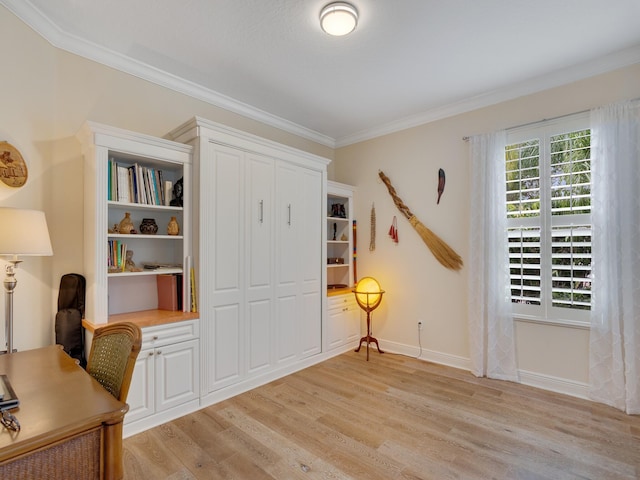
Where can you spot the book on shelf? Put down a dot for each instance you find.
(133, 178)
(123, 184)
(169, 291)
(180, 285)
(168, 192)
(160, 184)
(194, 300)
(116, 255)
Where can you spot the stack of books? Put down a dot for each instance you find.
(137, 184)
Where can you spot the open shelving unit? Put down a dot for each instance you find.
(339, 241)
(112, 293)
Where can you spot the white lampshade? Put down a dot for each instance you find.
(24, 232)
(339, 18)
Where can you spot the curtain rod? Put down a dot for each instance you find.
(551, 119)
(538, 121)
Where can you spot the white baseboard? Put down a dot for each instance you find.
(427, 355)
(158, 418)
(555, 384)
(533, 379)
(259, 380)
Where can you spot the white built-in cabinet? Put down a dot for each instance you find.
(339, 236)
(258, 239)
(343, 321)
(166, 378)
(343, 314)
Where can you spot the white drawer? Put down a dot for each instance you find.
(341, 302)
(169, 333)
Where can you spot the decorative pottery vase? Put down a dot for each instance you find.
(126, 225)
(148, 226)
(173, 228)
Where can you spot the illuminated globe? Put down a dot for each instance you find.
(368, 293)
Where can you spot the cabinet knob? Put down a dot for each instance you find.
(155, 337)
(159, 352)
(150, 354)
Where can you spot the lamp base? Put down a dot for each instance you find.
(10, 283)
(369, 339)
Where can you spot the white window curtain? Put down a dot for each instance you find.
(614, 354)
(491, 331)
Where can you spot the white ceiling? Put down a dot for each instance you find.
(408, 61)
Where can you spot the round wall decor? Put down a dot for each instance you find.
(13, 170)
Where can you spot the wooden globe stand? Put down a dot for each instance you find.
(368, 306)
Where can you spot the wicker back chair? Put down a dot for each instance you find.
(113, 355)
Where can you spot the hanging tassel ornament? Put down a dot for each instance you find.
(393, 230)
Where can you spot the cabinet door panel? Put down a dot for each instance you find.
(288, 213)
(259, 226)
(335, 327)
(311, 324)
(259, 332)
(225, 347)
(222, 209)
(310, 234)
(287, 316)
(141, 393)
(177, 379)
(352, 322)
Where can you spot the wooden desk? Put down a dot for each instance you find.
(71, 426)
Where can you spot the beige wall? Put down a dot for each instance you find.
(48, 94)
(417, 286)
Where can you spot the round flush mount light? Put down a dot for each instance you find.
(339, 18)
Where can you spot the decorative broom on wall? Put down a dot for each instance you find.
(443, 252)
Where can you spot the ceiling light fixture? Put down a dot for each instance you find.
(339, 18)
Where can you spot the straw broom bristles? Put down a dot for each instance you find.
(443, 252)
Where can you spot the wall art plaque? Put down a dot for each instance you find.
(13, 170)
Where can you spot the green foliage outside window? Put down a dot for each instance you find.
(535, 189)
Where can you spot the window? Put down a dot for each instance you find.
(548, 183)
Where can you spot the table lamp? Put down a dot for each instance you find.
(368, 295)
(24, 233)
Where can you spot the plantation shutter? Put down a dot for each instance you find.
(548, 208)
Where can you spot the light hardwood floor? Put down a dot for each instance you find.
(393, 417)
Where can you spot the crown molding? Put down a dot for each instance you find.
(41, 24)
(620, 59)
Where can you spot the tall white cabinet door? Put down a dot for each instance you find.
(299, 252)
(222, 262)
(288, 218)
(287, 258)
(310, 247)
(259, 261)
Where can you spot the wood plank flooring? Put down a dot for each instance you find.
(393, 417)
